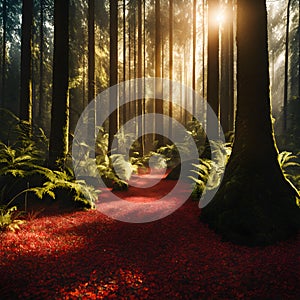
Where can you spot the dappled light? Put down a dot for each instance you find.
(149, 149)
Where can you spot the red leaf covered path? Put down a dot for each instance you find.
(86, 255)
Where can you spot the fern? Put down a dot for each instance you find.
(290, 166)
(9, 218)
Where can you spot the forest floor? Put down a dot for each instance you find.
(64, 254)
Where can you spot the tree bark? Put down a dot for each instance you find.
(58, 147)
(91, 50)
(213, 59)
(113, 77)
(226, 82)
(255, 204)
(158, 74)
(3, 58)
(286, 67)
(26, 61)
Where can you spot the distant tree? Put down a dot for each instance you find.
(255, 204)
(26, 61)
(58, 147)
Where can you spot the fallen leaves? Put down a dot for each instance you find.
(85, 255)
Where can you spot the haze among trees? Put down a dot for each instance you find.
(241, 56)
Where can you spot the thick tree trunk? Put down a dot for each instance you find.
(26, 60)
(58, 147)
(255, 204)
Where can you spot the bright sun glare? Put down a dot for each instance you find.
(220, 16)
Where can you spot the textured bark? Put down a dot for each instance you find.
(58, 147)
(255, 204)
(26, 60)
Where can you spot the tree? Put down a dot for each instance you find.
(26, 60)
(213, 58)
(194, 50)
(3, 56)
(171, 15)
(91, 49)
(58, 147)
(255, 203)
(226, 80)
(286, 66)
(158, 72)
(113, 74)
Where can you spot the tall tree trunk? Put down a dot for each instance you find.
(194, 52)
(124, 57)
(140, 75)
(171, 14)
(26, 61)
(3, 57)
(286, 67)
(58, 147)
(255, 204)
(91, 50)
(226, 82)
(42, 104)
(213, 59)
(113, 68)
(158, 73)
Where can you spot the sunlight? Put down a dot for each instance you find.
(220, 16)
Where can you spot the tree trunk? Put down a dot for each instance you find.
(255, 204)
(26, 60)
(194, 52)
(58, 147)
(286, 67)
(139, 75)
(113, 77)
(3, 58)
(171, 14)
(158, 74)
(91, 50)
(226, 82)
(42, 104)
(213, 59)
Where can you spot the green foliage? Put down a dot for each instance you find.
(9, 218)
(23, 170)
(208, 172)
(290, 165)
(102, 164)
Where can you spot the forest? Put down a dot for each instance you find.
(149, 149)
